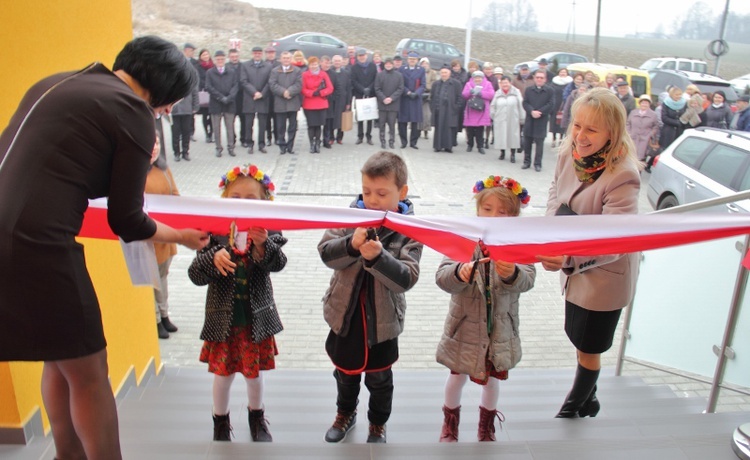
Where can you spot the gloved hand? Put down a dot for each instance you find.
(475, 90)
(413, 95)
(316, 92)
(224, 100)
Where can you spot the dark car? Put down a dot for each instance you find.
(311, 44)
(437, 52)
(662, 79)
(556, 60)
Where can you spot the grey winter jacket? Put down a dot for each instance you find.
(465, 341)
(395, 271)
(281, 81)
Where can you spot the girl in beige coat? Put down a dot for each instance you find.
(480, 339)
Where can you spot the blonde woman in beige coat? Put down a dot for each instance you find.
(481, 339)
(596, 173)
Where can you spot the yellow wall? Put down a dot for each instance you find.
(42, 37)
(39, 38)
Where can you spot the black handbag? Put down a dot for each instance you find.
(476, 103)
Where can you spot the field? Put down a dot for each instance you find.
(210, 24)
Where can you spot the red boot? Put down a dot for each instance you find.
(451, 418)
(486, 430)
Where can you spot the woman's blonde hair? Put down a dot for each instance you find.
(605, 107)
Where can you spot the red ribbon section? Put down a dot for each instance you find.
(517, 240)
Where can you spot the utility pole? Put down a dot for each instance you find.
(722, 42)
(572, 24)
(468, 38)
(598, 22)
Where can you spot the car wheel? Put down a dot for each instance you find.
(668, 201)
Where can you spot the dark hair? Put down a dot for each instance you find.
(505, 77)
(233, 50)
(159, 67)
(386, 164)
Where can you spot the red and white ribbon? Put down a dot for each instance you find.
(517, 240)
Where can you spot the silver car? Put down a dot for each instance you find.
(702, 163)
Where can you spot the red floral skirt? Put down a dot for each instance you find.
(491, 372)
(239, 354)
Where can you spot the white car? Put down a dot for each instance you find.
(675, 63)
(702, 163)
(741, 84)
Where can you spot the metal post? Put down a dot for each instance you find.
(469, 26)
(596, 36)
(734, 311)
(722, 34)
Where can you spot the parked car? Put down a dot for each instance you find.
(702, 163)
(556, 60)
(438, 53)
(675, 63)
(311, 44)
(741, 84)
(661, 79)
(638, 79)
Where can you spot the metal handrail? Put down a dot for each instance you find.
(737, 297)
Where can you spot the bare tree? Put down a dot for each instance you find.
(507, 16)
(699, 23)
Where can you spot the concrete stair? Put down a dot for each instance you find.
(169, 417)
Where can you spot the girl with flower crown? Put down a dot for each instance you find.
(241, 315)
(481, 336)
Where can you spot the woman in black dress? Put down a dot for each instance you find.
(77, 136)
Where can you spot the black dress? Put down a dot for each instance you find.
(89, 136)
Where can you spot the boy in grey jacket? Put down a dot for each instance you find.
(364, 304)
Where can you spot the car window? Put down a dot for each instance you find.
(710, 88)
(402, 43)
(685, 65)
(325, 40)
(308, 38)
(434, 48)
(638, 84)
(722, 163)
(700, 67)
(417, 45)
(451, 51)
(668, 65)
(745, 182)
(690, 150)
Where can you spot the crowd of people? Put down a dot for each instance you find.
(596, 172)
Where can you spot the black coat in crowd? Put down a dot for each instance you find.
(541, 98)
(223, 90)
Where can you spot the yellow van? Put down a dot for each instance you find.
(638, 79)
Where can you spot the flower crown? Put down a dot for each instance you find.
(511, 184)
(249, 171)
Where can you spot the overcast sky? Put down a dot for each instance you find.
(619, 17)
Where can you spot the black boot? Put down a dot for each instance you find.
(502, 155)
(591, 406)
(222, 428)
(258, 426)
(583, 387)
(512, 155)
(317, 145)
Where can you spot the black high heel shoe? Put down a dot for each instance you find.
(591, 407)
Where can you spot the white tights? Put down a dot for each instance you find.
(222, 385)
(454, 387)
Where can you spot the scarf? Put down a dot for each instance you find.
(588, 169)
(718, 106)
(675, 105)
(207, 64)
